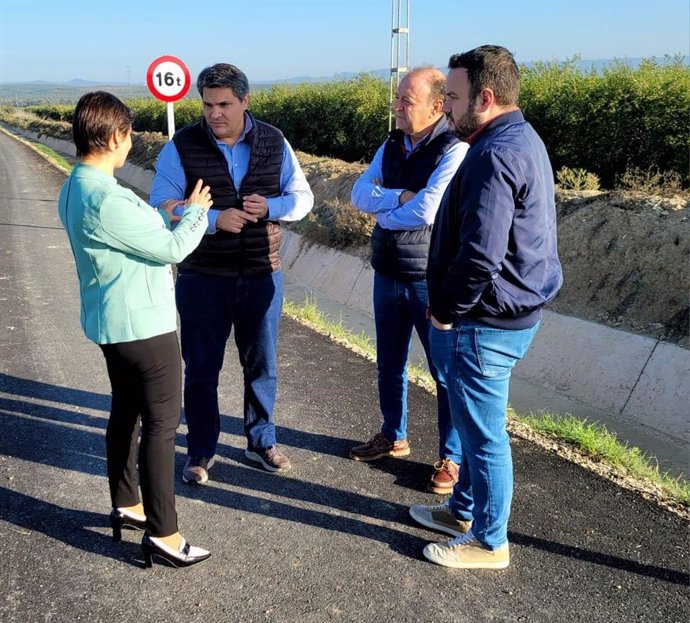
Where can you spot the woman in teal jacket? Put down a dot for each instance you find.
(123, 249)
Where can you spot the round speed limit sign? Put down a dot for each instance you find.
(168, 78)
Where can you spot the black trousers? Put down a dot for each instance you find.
(145, 376)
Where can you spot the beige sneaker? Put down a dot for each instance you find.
(465, 552)
(439, 517)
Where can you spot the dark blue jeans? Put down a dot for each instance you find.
(210, 307)
(398, 307)
(476, 362)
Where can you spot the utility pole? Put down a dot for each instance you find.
(400, 48)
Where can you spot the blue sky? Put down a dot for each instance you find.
(58, 40)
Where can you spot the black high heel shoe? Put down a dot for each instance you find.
(187, 556)
(119, 520)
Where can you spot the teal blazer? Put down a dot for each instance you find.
(123, 249)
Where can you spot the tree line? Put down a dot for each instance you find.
(607, 122)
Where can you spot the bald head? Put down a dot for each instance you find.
(419, 102)
(433, 77)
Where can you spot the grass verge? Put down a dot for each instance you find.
(598, 444)
(52, 156)
(587, 443)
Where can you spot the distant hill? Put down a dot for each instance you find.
(38, 92)
(78, 82)
(41, 92)
(585, 65)
(601, 63)
(340, 76)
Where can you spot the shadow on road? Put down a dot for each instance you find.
(55, 436)
(79, 529)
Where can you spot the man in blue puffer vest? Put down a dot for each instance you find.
(402, 188)
(493, 265)
(232, 282)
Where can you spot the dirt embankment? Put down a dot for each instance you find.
(626, 262)
(626, 257)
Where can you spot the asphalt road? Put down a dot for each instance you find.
(330, 540)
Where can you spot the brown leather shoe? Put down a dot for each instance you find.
(271, 459)
(379, 446)
(446, 474)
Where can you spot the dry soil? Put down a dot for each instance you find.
(625, 255)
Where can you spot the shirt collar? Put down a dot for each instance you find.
(480, 130)
(439, 127)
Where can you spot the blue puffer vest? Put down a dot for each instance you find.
(403, 254)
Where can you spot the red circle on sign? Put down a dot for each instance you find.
(168, 78)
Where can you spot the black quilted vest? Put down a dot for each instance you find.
(254, 251)
(403, 254)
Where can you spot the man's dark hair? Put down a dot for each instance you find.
(223, 76)
(95, 120)
(490, 67)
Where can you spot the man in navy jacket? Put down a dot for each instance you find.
(493, 264)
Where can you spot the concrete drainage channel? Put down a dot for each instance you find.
(636, 386)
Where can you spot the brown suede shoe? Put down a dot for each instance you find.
(446, 474)
(379, 446)
(271, 459)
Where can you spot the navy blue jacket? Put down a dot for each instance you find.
(493, 255)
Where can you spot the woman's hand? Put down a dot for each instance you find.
(169, 206)
(201, 195)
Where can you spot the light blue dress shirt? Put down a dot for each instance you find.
(296, 200)
(420, 211)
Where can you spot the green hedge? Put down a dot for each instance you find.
(609, 122)
(53, 112)
(606, 122)
(346, 120)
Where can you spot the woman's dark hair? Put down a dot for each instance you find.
(97, 116)
(490, 67)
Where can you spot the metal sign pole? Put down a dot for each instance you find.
(171, 120)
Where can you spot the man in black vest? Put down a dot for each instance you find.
(233, 279)
(403, 188)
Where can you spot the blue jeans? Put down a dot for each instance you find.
(210, 306)
(398, 307)
(476, 362)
